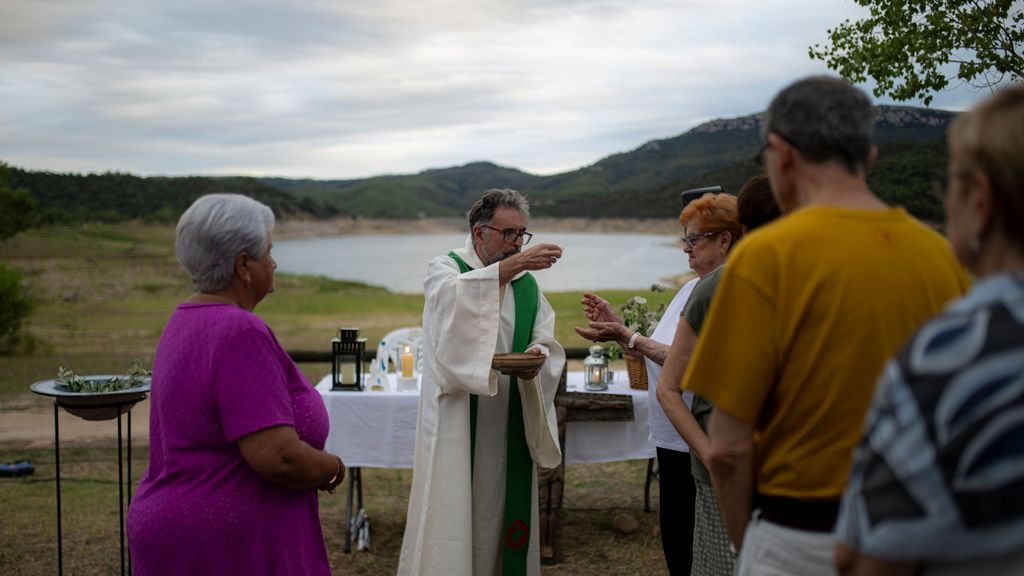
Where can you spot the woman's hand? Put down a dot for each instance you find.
(597, 309)
(605, 324)
(605, 332)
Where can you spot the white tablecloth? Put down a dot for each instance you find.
(378, 429)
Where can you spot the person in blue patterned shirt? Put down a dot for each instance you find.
(937, 484)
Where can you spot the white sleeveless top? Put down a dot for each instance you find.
(663, 433)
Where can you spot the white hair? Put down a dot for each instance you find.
(214, 230)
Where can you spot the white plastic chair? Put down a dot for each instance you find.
(392, 344)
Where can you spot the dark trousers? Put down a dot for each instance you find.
(676, 495)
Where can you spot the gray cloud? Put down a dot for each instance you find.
(330, 89)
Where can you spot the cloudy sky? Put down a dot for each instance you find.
(353, 88)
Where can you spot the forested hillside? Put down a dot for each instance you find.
(112, 196)
(440, 192)
(645, 182)
(642, 183)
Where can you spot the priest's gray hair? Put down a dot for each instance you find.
(214, 230)
(483, 210)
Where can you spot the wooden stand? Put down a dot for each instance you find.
(570, 407)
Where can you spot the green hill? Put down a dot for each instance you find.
(114, 197)
(645, 182)
(440, 192)
(642, 183)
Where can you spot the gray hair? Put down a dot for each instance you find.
(214, 230)
(483, 210)
(825, 118)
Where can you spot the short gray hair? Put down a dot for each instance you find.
(483, 210)
(214, 230)
(825, 118)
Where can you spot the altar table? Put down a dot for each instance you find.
(378, 429)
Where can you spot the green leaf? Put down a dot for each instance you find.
(909, 46)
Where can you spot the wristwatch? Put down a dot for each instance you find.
(632, 341)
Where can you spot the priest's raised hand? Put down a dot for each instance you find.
(540, 257)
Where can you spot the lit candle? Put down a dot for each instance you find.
(407, 363)
(348, 373)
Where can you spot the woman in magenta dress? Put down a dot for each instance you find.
(236, 431)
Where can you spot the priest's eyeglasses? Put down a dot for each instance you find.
(510, 235)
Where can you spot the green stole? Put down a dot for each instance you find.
(518, 463)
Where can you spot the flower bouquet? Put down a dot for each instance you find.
(642, 317)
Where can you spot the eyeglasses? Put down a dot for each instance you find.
(940, 186)
(759, 158)
(942, 180)
(510, 235)
(690, 240)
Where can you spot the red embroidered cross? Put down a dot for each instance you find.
(517, 534)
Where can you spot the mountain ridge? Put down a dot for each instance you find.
(644, 181)
(640, 183)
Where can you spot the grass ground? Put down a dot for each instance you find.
(105, 293)
(594, 495)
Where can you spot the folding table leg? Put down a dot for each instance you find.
(651, 475)
(354, 477)
(359, 489)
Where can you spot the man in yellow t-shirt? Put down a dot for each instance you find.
(807, 312)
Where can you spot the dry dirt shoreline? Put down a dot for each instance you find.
(32, 427)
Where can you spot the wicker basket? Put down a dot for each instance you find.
(637, 371)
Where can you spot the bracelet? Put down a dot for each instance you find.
(336, 472)
(632, 341)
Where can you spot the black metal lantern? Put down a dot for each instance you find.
(347, 353)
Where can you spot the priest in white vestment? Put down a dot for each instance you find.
(457, 522)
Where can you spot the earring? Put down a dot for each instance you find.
(248, 281)
(974, 245)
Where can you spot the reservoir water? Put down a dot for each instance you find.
(398, 262)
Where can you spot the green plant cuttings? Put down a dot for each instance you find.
(137, 376)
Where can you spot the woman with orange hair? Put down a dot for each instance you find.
(714, 225)
(706, 246)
